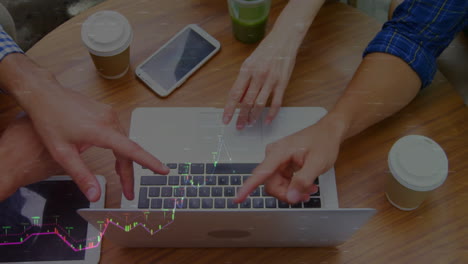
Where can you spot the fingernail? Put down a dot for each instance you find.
(131, 196)
(306, 198)
(92, 193)
(239, 127)
(293, 196)
(225, 120)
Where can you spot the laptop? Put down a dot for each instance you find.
(192, 205)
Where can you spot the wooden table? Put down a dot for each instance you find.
(435, 233)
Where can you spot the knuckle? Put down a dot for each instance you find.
(133, 146)
(276, 104)
(235, 95)
(61, 154)
(260, 103)
(109, 116)
(261, 73)
(247, 65)
(248, 104)
(80, 180)
(304, 183)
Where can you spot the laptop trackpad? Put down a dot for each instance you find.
(226, 142)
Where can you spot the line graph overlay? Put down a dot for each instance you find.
(88, 243)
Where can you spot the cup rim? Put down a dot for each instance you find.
(395, 170)
(111, 52)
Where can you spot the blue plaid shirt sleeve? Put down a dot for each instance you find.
(419, 31)
(7, 45)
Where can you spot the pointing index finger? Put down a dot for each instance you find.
(263, 171)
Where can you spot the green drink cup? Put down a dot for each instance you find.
(249, 19)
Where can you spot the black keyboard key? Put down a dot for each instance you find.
(186, 180)
(270, 203)
(156, 203)
(153, 180)
(230, 168)
(297, 205)
(207, 203)
(194, 203)
(316, 193)
(229, 191)
(236, 180)
(220, 203)
(204, 192)
(256, 192)
(181, 203)
(231, 204)
(246, 204)
(257, 202)
(217, 191)
(169, 203)
(154, 191)
(174, 180)
(166, 191)
(264, 192)
(223, 180)
(313, 203)
(210, 180)
(282, 204)
(192, 191)
(171, 165)
(143, 201)
(179, 192)
(184, 168)
(198, 180)
(197, 168)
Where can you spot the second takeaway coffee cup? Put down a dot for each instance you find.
(107, 35)
(418, 165)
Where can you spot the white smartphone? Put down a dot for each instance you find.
(44, 227)
(177, 60)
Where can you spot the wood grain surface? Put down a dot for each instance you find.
(437, 232)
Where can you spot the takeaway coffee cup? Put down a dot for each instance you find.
(418, 165)
(107, 35)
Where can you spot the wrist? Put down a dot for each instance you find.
(336, 123)
(28, 83)
(295, 20)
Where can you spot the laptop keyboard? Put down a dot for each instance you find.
(208, 186)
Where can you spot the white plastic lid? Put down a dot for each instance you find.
(418, 163)
(106, 33)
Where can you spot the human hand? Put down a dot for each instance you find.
(69, 123)
(293, 163)
(24, 158)
(264, 74)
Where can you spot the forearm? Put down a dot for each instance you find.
(382, 85)
(24, 80)
(296, 18)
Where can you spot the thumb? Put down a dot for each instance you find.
(302, 183)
